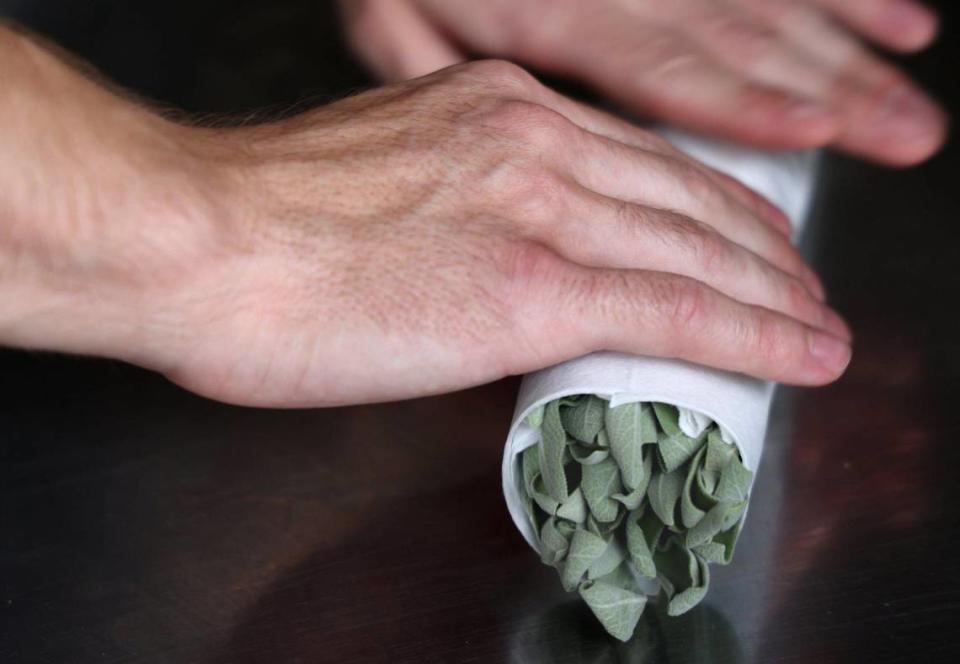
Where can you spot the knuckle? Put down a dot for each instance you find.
(685, 303)
(527, 194)
(699, 185)
(534, 125)
(612, 306)
(697, 242)
(769, 340)
(525, 265)
(503, 74)
(707, 247)
(548, 131)
(653, 142)
(518, 275)
(733, 186)
(539, 196)
(798, 298)
(786, 256)
(693, 182)
(757, 204)
(629, 218)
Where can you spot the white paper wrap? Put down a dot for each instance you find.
(740, 405)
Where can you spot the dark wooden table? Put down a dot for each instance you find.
(139, 523)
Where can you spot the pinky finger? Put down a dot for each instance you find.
(581, 310)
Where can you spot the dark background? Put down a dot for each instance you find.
(140, 523)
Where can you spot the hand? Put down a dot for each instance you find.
(782, 73)
(419, 238)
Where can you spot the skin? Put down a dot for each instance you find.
(779, 73)
(422, 237)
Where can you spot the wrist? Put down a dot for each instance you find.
(110, 211)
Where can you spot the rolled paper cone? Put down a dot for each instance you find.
(738, 404)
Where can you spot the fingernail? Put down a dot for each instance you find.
(909, 126)
(907, 10)
(908, 104)
(835, 325)
(829, 352)
(907, 16)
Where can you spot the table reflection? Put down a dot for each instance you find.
(568, 633)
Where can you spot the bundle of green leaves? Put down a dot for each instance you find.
(617, 494)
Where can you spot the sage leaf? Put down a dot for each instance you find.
(608, 561)
(648, 424)
(712, 552)
(630, 501)
(677, 449)
(588, 456)
(719, 452)
(734, 482)
(618, 610)
(535, 418)
(664, 492)
(690, 597)
(573, 508)
(704, 489)
(584, 420)
(675, 567)
(544, 500)
(603, 440)
(605, 529)
(623, 427)
(530, 465)
(546, 503)
(643, 531)
(599, 482)
(684, 577)
(719, 518)
(728, 539)
(553, 444)
(690, 514)
(528, 508)
(668, 417)
(553, 545)
(634, 499)
(622, 577)
(585, 548)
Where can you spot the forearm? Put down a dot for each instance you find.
(99, 196)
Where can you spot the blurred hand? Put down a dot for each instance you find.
(782, 73)
(423, 237)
